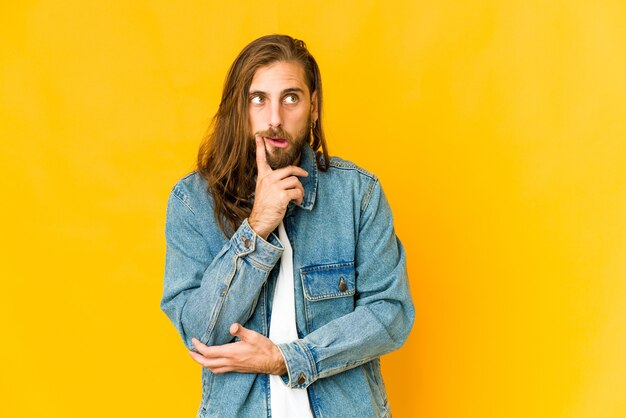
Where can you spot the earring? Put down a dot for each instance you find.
(311, 136)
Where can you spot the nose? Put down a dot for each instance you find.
(275, 116)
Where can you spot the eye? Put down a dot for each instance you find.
(291, 99)
(257, 100)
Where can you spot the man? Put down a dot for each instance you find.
(283, 273)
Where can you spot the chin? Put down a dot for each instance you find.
(280, 162)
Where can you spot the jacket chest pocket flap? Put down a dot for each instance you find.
(329, 292)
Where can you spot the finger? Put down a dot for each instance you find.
(209, 351)
(299, 200)
(198, 358)
(242, 332)
(290, 170)
(289, 186)
(295, 194)
(263, 168)
(291, 182)
(202, 348)
(209, 363)
(220, 370)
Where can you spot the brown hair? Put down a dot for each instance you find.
(226, 158)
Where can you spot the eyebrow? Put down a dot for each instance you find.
(289, 90)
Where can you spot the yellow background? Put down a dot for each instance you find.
(497, 129)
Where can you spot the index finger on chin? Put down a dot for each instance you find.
(262, 166)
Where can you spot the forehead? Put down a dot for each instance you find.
(279, 76)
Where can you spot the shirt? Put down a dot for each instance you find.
(285, 402)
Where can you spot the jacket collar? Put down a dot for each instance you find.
(309, 183)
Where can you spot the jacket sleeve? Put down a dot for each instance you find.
(383, 314)
(205, 292)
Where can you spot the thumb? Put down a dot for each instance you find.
(238, 330)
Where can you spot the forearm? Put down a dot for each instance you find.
(346, 342)
(252, 353)
(227, 291)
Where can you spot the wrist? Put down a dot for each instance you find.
(280, 368)
(258, 229)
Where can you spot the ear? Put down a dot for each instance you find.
(314, 107)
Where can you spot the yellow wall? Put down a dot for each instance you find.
(498, 129)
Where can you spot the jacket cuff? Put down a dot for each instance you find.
(301, 369)
(263, 253)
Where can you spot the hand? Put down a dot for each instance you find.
(274, 190)
(254, 353)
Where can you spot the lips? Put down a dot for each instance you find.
(277, 142)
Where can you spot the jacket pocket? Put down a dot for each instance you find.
(329, 291)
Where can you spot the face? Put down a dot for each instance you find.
(281, 110)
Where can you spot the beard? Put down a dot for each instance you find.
(282, 157)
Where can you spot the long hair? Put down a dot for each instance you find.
(226, 158)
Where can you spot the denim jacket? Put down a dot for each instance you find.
(352, 296)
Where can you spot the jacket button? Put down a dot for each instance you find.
(246, 242)
(342, 285)
(302, 378)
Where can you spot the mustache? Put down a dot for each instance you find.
(275, 133)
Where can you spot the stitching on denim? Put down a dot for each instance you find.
(310, 360)
(345, 266)
(325, 267)
(258, 264)
(347, 366)
(350, 166)
(220, 303)
(182, 197)
(207, 394)
(328, 296)
(289, 374)
(313, 181)
(190, 174)
(368, 196)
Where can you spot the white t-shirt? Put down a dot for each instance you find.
(285, 401)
